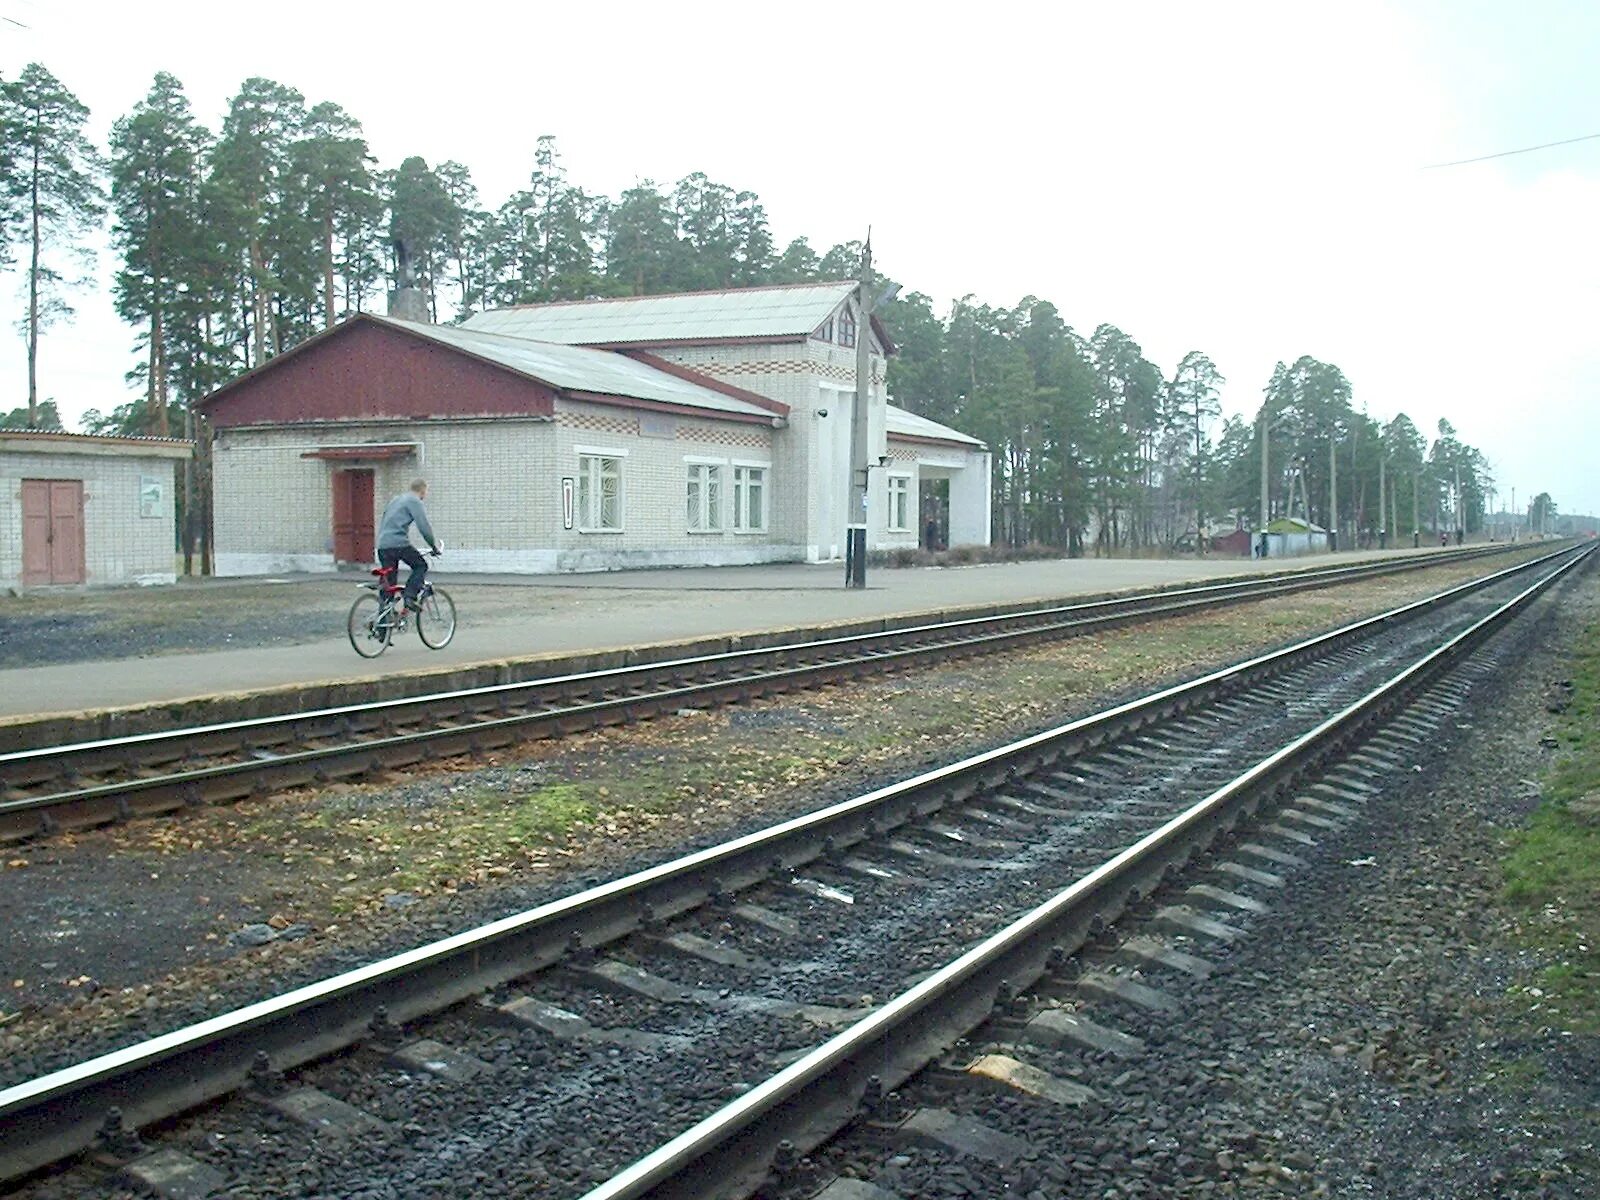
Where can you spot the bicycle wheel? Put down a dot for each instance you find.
(368, 634)
(436, 620)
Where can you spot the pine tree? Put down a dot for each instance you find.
(156, 156)
(250, 173)
(332, 171)
(56, 185)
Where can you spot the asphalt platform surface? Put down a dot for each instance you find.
(563, 614)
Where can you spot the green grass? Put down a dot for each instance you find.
(1552, 870)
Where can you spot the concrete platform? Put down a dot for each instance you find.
(569, 614)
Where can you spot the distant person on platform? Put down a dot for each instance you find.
(394, 538)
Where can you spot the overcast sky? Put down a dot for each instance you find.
(1243, 179)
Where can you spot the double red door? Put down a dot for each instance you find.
(52, 531)
(353, 516)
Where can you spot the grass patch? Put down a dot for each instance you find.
(549, 813)
(1552, 871)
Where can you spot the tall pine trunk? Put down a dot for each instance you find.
(33, 286)
(327, 269)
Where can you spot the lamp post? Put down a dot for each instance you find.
(855, 554)
(1266, 516)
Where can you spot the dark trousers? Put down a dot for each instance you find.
(391, 556)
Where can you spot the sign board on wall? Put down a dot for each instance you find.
(150, 492)
(568, 483)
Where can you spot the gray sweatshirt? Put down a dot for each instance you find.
(394, 529)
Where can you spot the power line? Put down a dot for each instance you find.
(1461, 162)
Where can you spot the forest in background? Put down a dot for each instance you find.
(234, 245)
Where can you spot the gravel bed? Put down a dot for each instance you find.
(1364, 1038)
(559, 1160)
(180, 904)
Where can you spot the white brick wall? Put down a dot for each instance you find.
(119, 545)
(494, 492)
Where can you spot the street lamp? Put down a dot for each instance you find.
(855, 554)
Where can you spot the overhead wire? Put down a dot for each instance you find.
(1461, 162)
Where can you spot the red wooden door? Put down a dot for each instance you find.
(352, 516)
(52, 531)
(66, 531)
(35, 531)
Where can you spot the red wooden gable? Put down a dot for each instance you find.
(364, 369)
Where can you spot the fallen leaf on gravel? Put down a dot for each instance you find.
(279, 921)
(17, 862)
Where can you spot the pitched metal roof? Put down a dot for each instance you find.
(579, 369)
(908, 424)
(756, 313)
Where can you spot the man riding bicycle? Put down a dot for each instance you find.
(394, 539)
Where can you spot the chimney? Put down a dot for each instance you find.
(407, 301)
(409, 304)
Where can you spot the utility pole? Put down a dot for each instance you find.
(1461, 524)
(1383, 533)
(855, 557)
(1333, 495)
(1394, 510)
(1264, 513)
(1516, 520)
(1416, 518)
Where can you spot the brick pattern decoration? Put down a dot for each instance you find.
(596, 422)
(724, 436)
(835, 371)
(720, 435)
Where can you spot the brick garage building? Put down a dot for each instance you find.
(671, 430)
(81, 509)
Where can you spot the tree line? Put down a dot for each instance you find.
(236, 244)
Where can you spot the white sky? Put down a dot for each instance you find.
(1239, 178)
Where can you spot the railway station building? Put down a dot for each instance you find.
(81, 508)
(680, 430)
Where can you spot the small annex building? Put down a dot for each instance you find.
(87, 509)
(693, 429)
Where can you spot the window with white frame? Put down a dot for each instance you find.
(899, 503)
(599, 492)
(847, 327)
(749, 498)
(704, 497)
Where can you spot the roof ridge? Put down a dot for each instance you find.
(726, 291)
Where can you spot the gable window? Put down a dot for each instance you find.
(599, 493)
(824, 331)
(847, 327)
(704, 497)
(900, 503)
(749, 498)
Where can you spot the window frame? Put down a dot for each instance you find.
(739, 492)
(600, 454)
(904, 479)
(847, 326)
(710, 470)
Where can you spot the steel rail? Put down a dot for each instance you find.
(1247, 589)
(156, 790)
(56, 1115)
(729, 1153)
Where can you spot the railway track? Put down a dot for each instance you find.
(610, 1018)
(46, 789)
